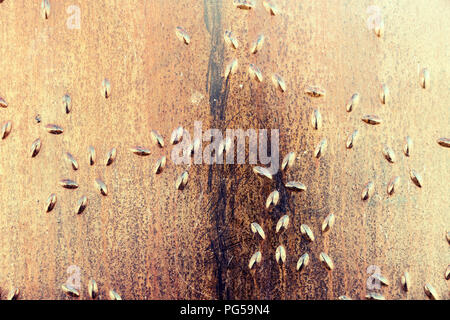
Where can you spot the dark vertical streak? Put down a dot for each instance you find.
(218, 94)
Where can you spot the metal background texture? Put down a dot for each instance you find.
(147, 240)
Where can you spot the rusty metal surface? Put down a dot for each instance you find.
(147, 240)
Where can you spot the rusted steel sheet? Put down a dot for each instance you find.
(147, 240)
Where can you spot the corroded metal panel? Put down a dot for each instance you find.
(80, 197)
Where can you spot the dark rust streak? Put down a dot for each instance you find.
(218, 95)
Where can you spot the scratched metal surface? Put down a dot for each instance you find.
(146, 240)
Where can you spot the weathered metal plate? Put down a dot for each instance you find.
(147, 240)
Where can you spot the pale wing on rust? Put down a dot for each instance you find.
(127, 73)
